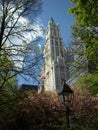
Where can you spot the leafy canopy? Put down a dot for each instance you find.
(86, 27)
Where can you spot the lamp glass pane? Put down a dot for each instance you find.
(67, 97)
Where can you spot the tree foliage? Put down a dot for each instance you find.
(33, 111)
(9, 99)
(89, 82)
(86, 27)
(37, 112)
(84, 110)
(18, 38)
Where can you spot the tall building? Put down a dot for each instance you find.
(61, 63)
(79, 65)
(54, 63)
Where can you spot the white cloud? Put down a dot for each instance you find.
(32, 35)
(22, 20)
(17, 43)
(28, 36)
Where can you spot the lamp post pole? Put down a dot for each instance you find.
(66, 94)
(67, 118)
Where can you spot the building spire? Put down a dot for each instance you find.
(51, 21)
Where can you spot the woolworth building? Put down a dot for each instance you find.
(58, 61)
(54, 61)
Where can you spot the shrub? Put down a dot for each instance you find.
(39, 112)
(84, 110)
(89, 82)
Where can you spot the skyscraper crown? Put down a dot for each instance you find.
(51, 21)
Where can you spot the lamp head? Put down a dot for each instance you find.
(66, 94)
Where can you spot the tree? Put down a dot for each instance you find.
(18, 31)
(19, 35)
(86, 14)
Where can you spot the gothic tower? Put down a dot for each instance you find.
(54, 63)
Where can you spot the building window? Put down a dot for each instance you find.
(56, 43)
(62, 69)
(55, 34)
(60, 43)
(57, 51)
(52, 41)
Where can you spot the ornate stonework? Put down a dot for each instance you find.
(54, 64)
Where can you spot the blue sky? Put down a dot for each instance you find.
(58, 9)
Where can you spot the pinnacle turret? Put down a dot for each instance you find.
(52, 21)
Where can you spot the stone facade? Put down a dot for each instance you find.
(60, 63)
(54, 64)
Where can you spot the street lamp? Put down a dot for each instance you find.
(66, 96)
